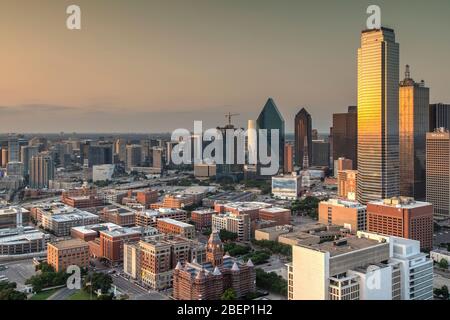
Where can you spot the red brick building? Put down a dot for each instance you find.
(280, 216)
(202, 218)
(112, 242)
(208, 281)
(402, 217)
(82, 198)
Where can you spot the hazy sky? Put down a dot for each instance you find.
(156, 65)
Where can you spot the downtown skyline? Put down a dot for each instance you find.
(95, 87)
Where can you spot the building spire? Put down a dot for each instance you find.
(407, 73)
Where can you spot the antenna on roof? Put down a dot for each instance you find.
(407, 72)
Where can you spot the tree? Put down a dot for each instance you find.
(98, 281)
(443, 264)
(227, 235)
(8, 292)
(229, 294)
(271, 282)
(444, 292)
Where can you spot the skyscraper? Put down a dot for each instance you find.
(13, 148)
(303, 128)
(120, 148)
(134, 153)
(378, 147)
(288, 158)
(270, 118)
(413, 127)
(345, 132)
(41, 171)
(321, 153)
(438, 172)
(439, 116)
(26, 153)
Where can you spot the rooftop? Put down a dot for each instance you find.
(343, 246)
(401, 202)
(344, 203)
(176, 222)
(69, 244)
(95, 227)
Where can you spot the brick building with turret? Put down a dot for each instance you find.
(209, 280)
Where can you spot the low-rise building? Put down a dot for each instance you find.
(63, 254)
(112, 242)
(10, 216)
(118, 215)
(286, 186)
(349, 214)
(59, 219)
(280, 216)
(368, 266)
(152, 260)
(209, 280)
(202, 218)
(151, 217)
(439, 255)
(175, 227)
(239, 224)
(25, 240)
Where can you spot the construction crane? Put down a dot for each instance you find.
(229, 116)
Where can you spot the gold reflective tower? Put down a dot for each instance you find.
(378, 106)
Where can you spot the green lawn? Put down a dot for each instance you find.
(44, 295)
(81, 295)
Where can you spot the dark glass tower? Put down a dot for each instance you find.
(271, 118)
(303, 128)
(345, 134)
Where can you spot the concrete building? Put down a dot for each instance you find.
(175, 227)
(350, 215)
(22, 240)
(209, 280)
(402, 217)
(437, 255)
(26, 154)
(347, 184)
(240, 208)
(63, 254)
(59, 218)
(203, 170)
(366, 267)
(236, 223)
(14, 217)
(438, 172)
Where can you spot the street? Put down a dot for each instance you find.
(134, 291)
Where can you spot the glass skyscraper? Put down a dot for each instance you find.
(378, 103)
(303, 128)
(413, 127)
(270, 118)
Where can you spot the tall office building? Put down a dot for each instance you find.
(439, 116)
(378, 147)
(347, 181)
(288, 158)
(320, 153)
(345, 132)
(120, 148)
(13, 148)
(134, 154)
(41, 171)
(157, 157)
(4, 157)
(438, 172)
(26, 153)
(413, 127)
(303, 128)
(270, 118)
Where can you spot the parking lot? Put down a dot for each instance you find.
(442, 236)
(18, 271)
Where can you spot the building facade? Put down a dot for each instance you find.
(378, 94)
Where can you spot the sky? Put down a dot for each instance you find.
(157, 65)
